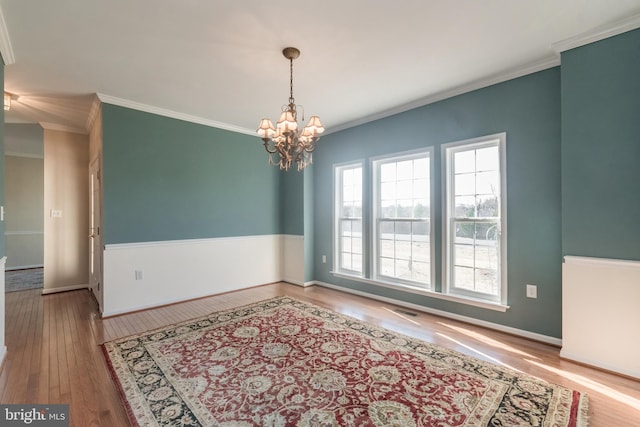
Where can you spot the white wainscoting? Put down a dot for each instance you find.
(180, 270)
(601, 313)
(292, 259)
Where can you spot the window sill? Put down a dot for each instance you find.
(431, 294)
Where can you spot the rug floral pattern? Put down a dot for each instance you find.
(283, 362)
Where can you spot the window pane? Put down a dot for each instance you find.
(464, 161)
(386, 267)
(463, 278)
(388, 172)
(386, 229)
(421, 168)
(356, 262)
(420, 271)
(346, 244)
(486, 281)
(421, 209)
(402, 269)
(356, 244)
(404, 189)
(356, 227)
(487, 183)
(420, 189)
(388, 209)
(403, 230)
(403, 250)
(465, 184)
(387, 248)
(404, 170)
(388, 191)
(346, 261)
(488, 159)
(345, 228)
(465, 207)
(420, 231)
(487, 206)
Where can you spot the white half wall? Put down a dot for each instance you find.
(601, 313)
(292, 259)
(172, 271)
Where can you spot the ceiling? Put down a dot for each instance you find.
(220, 62)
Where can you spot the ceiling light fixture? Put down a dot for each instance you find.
(286, 140)
(7, 101)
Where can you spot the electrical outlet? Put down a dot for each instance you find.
(324, 259)
(55, 213)
(138, 274)
(532, 291)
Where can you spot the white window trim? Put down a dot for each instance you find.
(375, 194)
(336, 219)
(446, 247)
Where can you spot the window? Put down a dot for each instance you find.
(348, 241)
(385, 217)
(402, 219)
(474, 214)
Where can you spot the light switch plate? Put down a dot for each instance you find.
(532, 291)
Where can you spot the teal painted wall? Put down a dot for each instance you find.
(601, 148)
(291, 201)
(166, 179)
(528, 110)
(309, 254)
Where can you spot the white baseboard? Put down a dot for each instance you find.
(47, 291)
(3, 354)
(599, 364)
(24, 267)
(489, 325)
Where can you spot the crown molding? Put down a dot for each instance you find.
(5, 42)
(108, 99)
(62, 128)
(530, 68)
(599, 33)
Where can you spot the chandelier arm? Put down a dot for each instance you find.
(266, 146)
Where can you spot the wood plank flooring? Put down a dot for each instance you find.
(54, 354)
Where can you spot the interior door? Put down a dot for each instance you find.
(95, 232)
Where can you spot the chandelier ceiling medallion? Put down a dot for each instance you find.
(286, 140)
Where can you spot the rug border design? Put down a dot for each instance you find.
(578, 410)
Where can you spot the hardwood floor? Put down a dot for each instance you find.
(54, 354)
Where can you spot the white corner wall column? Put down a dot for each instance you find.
(3, 347)
(600, 313)
(292, 259)
(144, 275)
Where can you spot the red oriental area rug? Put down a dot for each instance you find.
(283, 362)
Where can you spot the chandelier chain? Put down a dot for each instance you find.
(291, 99)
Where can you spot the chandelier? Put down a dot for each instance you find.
(291, 144)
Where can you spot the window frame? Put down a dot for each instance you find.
(338, 218)
(375, 195)
(448, 206)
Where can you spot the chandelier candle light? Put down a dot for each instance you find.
(290, 143)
